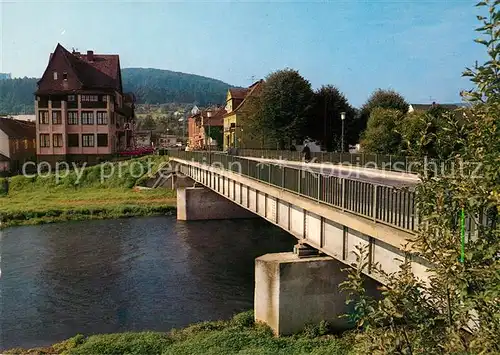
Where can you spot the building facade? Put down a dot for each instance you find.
(205, 129)
(17, 144)
(81, 110)
(165, 140)
(235, 119)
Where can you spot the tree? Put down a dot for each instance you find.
(429, 134)
(283, 107)
(389, 99)
(458, 310)
(325, 123)
(381, 135)
(148, 123)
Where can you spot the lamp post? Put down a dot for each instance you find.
(342, 117)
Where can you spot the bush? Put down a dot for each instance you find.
(245, 319)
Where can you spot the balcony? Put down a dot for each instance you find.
(94, 104)
(56, 104)
(72, 105)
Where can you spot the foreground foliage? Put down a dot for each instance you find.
(238, 336)
(457, 309)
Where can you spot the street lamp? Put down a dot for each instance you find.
(342, 117)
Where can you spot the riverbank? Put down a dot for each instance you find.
(85, 194)
(238, 335)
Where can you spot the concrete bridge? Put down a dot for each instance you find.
(328, 213)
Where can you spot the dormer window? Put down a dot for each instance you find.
(65, 76)
(55, 75)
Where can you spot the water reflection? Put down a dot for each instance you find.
(131, 274)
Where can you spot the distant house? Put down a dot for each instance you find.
(143, 139)
(234, 119)
(164, 140)
(205, 128)
(17, 144)
(427, 107)
(5, 76)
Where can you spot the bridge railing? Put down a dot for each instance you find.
(395, 163)
(391, 206)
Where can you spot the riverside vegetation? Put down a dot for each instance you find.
(240, 335)
(44, 198)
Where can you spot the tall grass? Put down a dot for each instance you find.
(90, 193)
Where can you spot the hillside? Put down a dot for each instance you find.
(151, 86)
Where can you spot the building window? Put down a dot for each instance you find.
(57, 140)
(65, 76)
(44, 140)
(104, 98)
(72, 117)
(88, 118)
(56, 117)
(87, 140)
(102, 118)
(102, 140)
(43, 117)
(55, 75)
(90, 98)
(73, 140)
(71, 98)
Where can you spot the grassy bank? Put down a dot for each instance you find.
(238, 336)
(85, 194)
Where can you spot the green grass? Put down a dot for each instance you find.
(35, 200)
(237, 336)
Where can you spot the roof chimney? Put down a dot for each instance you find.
(90, 56)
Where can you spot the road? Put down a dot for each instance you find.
(374, 176)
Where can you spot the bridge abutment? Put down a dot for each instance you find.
(291, 292)
(200, 203)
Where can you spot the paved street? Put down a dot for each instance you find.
(381, 177)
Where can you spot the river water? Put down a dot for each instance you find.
(152, 273)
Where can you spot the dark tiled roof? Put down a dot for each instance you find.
(252, 90)
(103, 72)
(238, 93)
(17, 129)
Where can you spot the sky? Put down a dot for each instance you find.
(416, 47)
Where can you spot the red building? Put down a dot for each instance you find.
(205, 129)
(82, 113)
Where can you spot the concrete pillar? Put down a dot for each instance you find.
(200, 203)
(291, 292)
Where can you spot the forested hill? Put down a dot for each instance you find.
(151, 86)
(156, 86)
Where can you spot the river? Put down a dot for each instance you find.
(152, 273)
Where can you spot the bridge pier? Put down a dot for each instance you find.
(200, 203)
(292, 291)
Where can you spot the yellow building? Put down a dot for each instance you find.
(234, 119)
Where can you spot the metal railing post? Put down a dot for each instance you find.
(343, 194)
(283, 177)
(298, 180)
(319, 187)
(375, 205)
